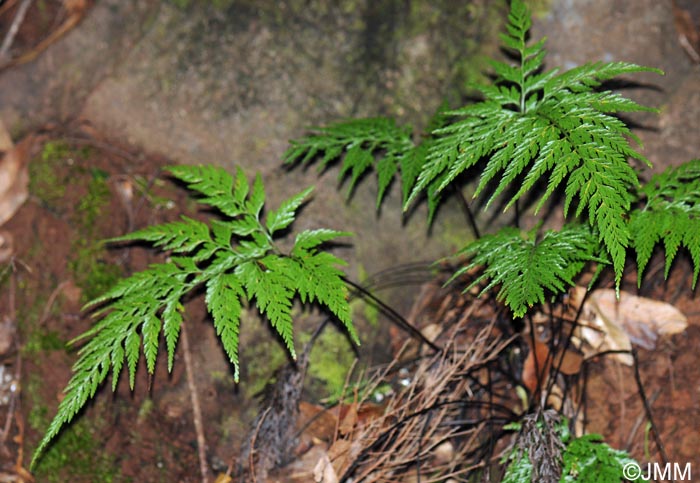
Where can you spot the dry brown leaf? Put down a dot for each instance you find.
(611, 324)
(324, 472)
(349, 420)
(340, 455)
(14, 178)
(5, 140)
(318, 423)
(567, 361)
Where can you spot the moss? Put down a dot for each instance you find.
(92, 274)
(39, 341)
(260, 359)
(90, 270)
(44, 180)
(77, 454)
(330, 360)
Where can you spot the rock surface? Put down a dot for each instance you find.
(643, 32)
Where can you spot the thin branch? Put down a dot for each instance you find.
(464, 204)
(196, 408)
(392, 313)
(14, 28)
(647, 408)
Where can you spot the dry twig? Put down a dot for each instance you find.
(196, 408)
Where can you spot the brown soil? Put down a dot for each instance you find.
(84, 190)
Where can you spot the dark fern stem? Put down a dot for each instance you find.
(464, 204)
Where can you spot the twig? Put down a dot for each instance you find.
(251, 462)
(647, 408)
(393, 314)
(49, 303)
(196, 408)
(464, 204)
(10, 37)
(639, 421)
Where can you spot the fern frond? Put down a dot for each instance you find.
(671, 214)
(526, 268)
(178, 236)
(320, 280)
(284, 216)
(237, 262)
(589, 460)
(214, 184)
(534, 124)
(362, 144)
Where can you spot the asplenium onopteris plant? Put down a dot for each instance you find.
(551, 453)
(536, 132)
(237, 262)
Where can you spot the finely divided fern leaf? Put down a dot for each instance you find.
(589, 460)
(526, 268)
(671, 214)
(586, 459)
(533, 124)
(237, 262)
(362, 144)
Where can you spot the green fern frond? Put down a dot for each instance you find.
(526, 267)
(283, 217)
(533, 125)
(585, 460)
(671, 214)
(365, 143)
(237, 262)
(589, 460)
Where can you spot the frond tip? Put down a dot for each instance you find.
(237, 262)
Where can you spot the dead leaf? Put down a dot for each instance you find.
(341, 455)
(5, 140)
(349, 420)
(611, 324)
(567, 361)
(14, 178)
(317, 422)
(324, 472)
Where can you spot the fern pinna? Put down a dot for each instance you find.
(671, 213)
(237, 262)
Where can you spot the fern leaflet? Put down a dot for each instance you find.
(532, 124)
(525, 267)
(361, 140)
(586, 459)
(237, 262)
(671, 214)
